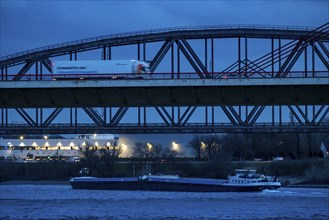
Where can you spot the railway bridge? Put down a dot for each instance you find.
(209, 79)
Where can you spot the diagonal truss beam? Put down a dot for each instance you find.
(326, 110)
(164, 117)
(169, 119)
(293, 112)
(323, 116)
(195, 57)
(118, 116)
(187, 115)
(229, 115)
(304, 120)
(23, 71)
(304, 41)
(189, 58)
(160, 55)
(48, 64)
(291, 59)
(51, 117)
(254, 115)
(322, 58)
(324, 48)
(94, 115)
(289, 52)
(27, 118)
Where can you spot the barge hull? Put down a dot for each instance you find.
(163, 185)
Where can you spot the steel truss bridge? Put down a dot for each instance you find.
(191, 89)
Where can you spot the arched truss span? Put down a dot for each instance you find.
(289, 48)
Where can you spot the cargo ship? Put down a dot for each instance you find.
(244, 180)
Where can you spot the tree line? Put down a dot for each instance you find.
(257, 146)
(214, 147)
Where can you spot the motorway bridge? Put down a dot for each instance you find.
(285, 89)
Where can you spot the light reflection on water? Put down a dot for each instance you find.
(62, 202)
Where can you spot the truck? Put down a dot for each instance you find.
(100, 69)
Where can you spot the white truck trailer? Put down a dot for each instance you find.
(100, 69)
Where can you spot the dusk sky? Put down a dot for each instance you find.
(29, 24)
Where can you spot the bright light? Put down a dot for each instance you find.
(203, 145)
(34, 144)
(21, 137)
(175, 146)
(71, 144)
(149, 146)
(124, 147)
(84, 144)
(59, 144)
(95, 135)
(108, 144)
(47, 144)
(96, 144)
(22, 144)
(45, 137)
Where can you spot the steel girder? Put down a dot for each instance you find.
(181, 119)
(259, 31)
(288, 54)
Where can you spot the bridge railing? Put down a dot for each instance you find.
(195, 124)
(154, 128)
(161, 76)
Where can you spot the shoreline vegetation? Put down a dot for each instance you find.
(306, 173)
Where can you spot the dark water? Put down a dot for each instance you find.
(62, 202)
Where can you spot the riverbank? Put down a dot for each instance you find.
(290, 172)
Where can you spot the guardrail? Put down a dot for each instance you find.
(161, 76)
(126, 125)
(155, 128)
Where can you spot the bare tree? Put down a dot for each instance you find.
(198, 146)
(89, 157)
(146, 150)
(109, 155)
(151, 151)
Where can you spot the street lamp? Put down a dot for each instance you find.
(175, 146)
(149, 146)
(203, 145)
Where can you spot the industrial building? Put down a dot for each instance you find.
(25, 149)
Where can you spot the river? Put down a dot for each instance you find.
(62, 202)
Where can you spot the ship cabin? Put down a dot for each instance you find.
(249, 176)
(245, 172)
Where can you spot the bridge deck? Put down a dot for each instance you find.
(179, 92)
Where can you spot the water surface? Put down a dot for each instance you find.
(62, 202)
